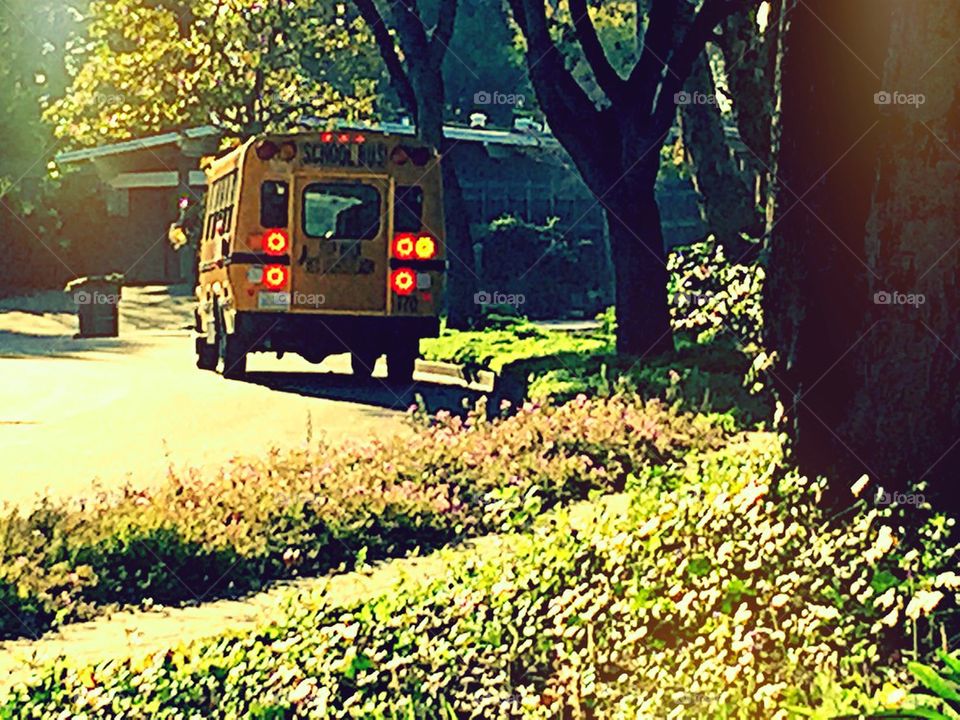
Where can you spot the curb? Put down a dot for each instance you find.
(459, 372)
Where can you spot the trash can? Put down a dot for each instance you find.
(98, 304)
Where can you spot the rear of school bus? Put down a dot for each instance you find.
(320, 244)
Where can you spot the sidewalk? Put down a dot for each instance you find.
(138, 633)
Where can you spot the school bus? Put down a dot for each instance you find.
(319, 244)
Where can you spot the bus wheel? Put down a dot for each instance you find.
(400, 361)
(206, 354)
(363, 362)
(232, 359)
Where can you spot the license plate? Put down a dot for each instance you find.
(273, 301)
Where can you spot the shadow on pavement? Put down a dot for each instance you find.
(15, 345)
(375, 391)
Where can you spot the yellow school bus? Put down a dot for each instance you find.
(318, 244)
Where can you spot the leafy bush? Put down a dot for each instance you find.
(726, 592)
(314, 509)
(512, 246)
(710, 296)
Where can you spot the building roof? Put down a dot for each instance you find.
(452, 132)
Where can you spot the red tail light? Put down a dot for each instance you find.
(403, 281)
(266, 150)
(426, 248)
(404, 245)
(276, 242)
(275, 276)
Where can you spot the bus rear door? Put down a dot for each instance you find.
(339, 254)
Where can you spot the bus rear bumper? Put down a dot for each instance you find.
(316, 336)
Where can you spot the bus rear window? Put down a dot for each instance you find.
(341, 211)
(273, 204)
(408, 208)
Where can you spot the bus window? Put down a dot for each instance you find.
(273, 204)
(408, 208)
(341, 211)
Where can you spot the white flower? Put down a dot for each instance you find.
(859, 485)
(923, 603)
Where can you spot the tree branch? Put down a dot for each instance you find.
(443, 31)
(586, 132)
(607, 78)
(712, 13)
(657, 41)
(388, 51)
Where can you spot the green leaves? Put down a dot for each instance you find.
(147, 67)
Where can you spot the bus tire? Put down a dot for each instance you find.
(401, 360)
(232, 360)
(363, 362)
(207, 354)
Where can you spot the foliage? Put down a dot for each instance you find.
(317, 508)
(509, 340)
(710, 296)
(543, 266)
(725, 592)
(148, 67)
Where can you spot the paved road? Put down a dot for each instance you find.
(75, 410)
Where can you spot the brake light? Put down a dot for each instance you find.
(266, 150)
(426, 247)
(275, 276)
(404, 246)
(326, 137)
(276, 242)
(288, 151)
(403, 281)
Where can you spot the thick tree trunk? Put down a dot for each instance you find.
(905, 415)
(816, 292)
(636, 240)
(727, 203)
(871, 387)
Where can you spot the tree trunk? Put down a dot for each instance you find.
(726, 202)
(462, 277)
(636, 240)
(905, 415)
(870, 388)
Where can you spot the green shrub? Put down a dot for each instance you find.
(711, 296)
(725, 592)
(315, 509)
